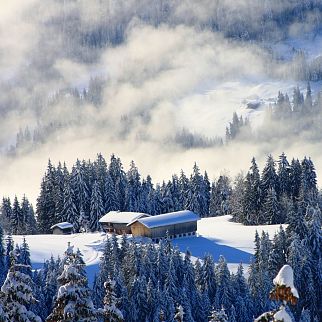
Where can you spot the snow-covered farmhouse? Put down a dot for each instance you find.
(62, 228)
(177, 224)
(117, 221)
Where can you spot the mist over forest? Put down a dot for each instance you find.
(157, 82)
(173, 147)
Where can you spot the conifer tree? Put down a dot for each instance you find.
(81, 189)
(29, 221)
(73, 301)
(207, 278)
(110, 197)
(118, 176)
(295, 178)
(16, 220)
(69, 212)
(308, 192)
(133, 188)
(218, 316)
(100, 167)
(252, 196)
(97, 207)
(16, 294)
(24, 258)
(224, 289)
(196, 193)
(61, 175)
(283, 291)
(269, 177)
(50, 287)
(9, 249)
(308, 99)
(5, 214)
(2, 258)
(184, 189)
(284, 175)
(46, 202)
(271, 208)
(110, 312)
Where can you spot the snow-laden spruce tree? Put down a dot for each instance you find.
(218, 316)
(73, 300)
(110, 312)
(16, 295)
(285, 292)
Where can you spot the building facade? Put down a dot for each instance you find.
(63, 228)
(175, 224)
(117, 222)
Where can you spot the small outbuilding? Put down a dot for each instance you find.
(62, 228)
(175, 224)
(117, 221)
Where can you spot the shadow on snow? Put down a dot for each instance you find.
(200, 246)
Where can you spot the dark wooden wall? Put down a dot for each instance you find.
(174, 231)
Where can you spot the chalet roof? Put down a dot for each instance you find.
(63, 225)
(170, 218)
(120, 217)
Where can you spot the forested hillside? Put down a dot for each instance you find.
(156, 107)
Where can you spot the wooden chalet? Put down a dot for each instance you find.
(62, 228)
(117, 221)
(175, 224)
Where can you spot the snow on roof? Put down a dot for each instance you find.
(285, 277)
(119, 217)
(170, 218)
(62, 225)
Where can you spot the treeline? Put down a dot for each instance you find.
(148, 282)
(298, 114)
(91, 189)
(245, 21)
(301, 107)
(277, 194)
(30, 137)
(18, 218)
(238, 128)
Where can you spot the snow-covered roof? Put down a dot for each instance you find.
(63, 225)
(170, 218)
(120, 217)
(286, 277)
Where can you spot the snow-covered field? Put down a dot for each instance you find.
(216, 236)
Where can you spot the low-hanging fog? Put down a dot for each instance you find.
(156, 69)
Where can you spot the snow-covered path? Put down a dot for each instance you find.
(43, 246)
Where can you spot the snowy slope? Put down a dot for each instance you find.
(216, 236)
(210, 111)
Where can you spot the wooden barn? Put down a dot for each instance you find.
(177, 224)
(117, 221)
(62, 228)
